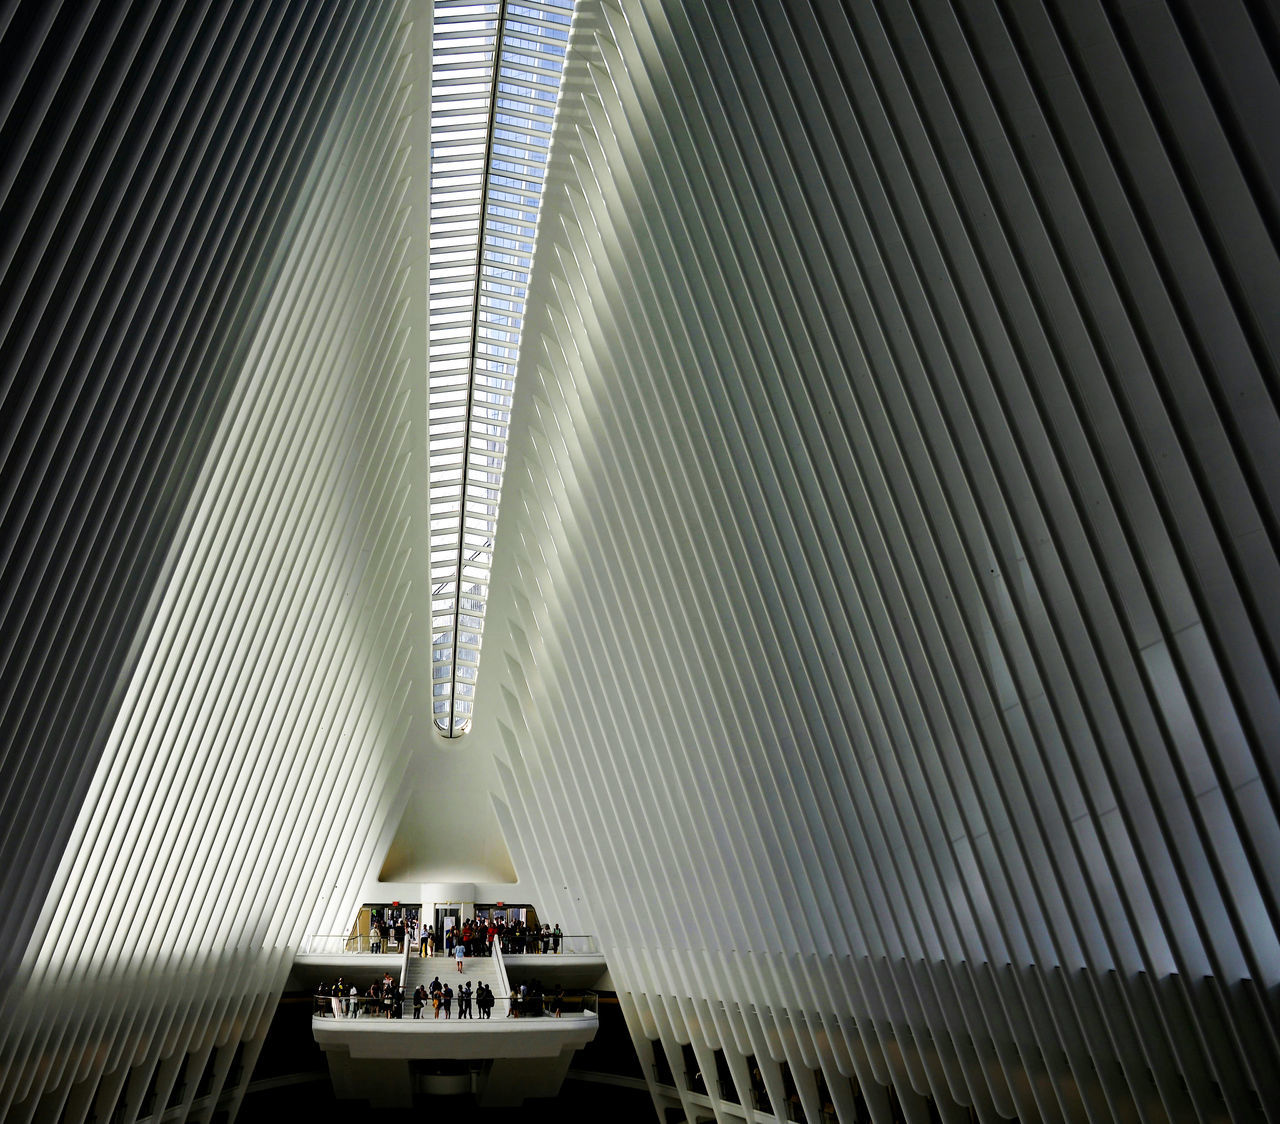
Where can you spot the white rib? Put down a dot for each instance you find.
(870, 598)
(274, 675)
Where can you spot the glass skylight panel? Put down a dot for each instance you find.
(490, 129)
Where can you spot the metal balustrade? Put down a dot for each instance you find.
(372, 1007)
(329, 944)
(570, 944)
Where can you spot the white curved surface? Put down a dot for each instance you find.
(881, 653)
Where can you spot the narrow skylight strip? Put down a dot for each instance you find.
(490, 131)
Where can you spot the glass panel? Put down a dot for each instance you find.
(487, 167)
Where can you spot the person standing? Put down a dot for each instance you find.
(556, 934)
(446, 999)
(459, 951)
(464, 1001)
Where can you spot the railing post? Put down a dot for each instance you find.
(502, 969)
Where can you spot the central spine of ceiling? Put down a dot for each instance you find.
(458, 723)
(495, 81)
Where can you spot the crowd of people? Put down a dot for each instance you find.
(385, 998)
(441, 996)
(476, 937)
(531, 1000)
(393, 929)
(390, 929)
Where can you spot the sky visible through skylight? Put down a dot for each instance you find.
(489, 139)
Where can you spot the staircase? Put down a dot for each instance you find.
(422, 970)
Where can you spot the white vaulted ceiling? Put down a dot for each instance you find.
(887, 620)
(880, 645)
(495, 76)
(212, 361)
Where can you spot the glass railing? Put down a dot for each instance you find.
(334, 944)
(511, 944)
(369, 1007)
(567, 944)
(504, 981)
(355, 1007)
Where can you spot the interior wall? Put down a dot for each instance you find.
(213, 239)
(882, 661)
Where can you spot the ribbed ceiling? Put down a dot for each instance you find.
(495, 76)
(892, 509)
(881, 654)
(210, 525)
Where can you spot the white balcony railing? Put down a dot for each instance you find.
(371, 1007)
(334, 944)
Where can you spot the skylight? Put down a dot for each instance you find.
(490, 129)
